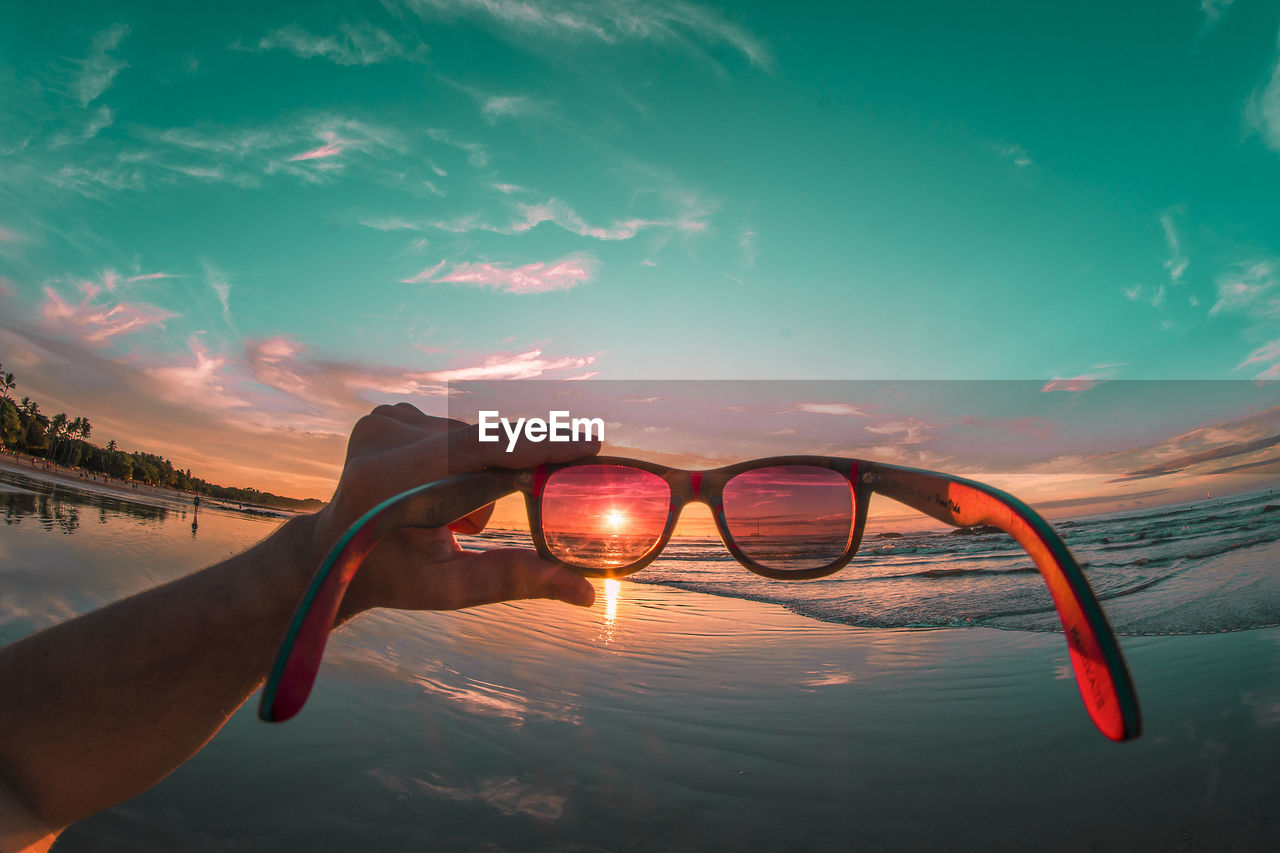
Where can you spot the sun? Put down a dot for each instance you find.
(616, 519)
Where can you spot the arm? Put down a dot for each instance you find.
(99, 708)
(1100, 669)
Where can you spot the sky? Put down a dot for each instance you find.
(227, 231)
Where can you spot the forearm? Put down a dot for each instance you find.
(100, 708)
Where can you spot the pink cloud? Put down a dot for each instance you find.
(97, 323)
(151, 276)
(285, 365)
(200, 382)
(525, 365)
(7, 236)
(424, 275)
(1076, 383)
(329, 149)
(1269, 352)
(832, 409)
(537, 277)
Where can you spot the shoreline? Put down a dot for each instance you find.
(158, 496)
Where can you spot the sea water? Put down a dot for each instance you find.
(1185, 569)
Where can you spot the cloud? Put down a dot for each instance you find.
(1177, 262)
(96, 323)
(1267, 353)
(99, 69)
(1015, 154)
(239, 155)
(476, 154)
(526, 365)
(425, 275)
(285, 365)
(559, 213)
(353, 45)
(1075, 384)
(96, 182)
(538, 277)
(1175, 265)
(182, 414)
(1186, 460)
(691, 219)
(1213, 10)
(1263, 109)
(504, 106)
(391, 224)
(1250, 288)
(909, 430)
(610, 21)
(1153, 295)
(509, 189)
(831, 409)
(221, 288)
(200, 383)
(102, 118)
(329, 149)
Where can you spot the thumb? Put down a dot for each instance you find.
(507, 574)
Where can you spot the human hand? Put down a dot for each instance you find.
(395, 448)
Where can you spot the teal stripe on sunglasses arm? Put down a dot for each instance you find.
(610, 516)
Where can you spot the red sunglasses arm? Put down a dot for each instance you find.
(433, 505)
(1100, 669)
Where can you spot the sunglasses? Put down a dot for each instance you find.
(785, 517)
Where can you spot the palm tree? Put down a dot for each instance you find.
(111, 446)
(75, 430)
(57, 428)
(7, 383)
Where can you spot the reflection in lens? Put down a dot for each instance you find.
(790, 517)
(603, 516)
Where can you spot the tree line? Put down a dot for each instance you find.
(64, 440)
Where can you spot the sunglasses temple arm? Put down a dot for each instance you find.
(432, 505)
(1100, 670)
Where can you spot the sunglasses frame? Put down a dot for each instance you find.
(706, 487)
(1101, 673)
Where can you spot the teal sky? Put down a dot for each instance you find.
(246, 223)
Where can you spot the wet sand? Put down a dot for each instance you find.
(671, 720)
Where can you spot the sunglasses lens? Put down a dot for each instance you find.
(790, 517)
(603, 516)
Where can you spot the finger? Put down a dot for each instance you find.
(509, 574)
(468, 453)
(473, 523)
(411, 415)
(379, 430)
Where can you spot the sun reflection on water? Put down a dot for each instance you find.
(612, 590)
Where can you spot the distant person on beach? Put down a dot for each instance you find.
(100, 708)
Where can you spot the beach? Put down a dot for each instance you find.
(670, 719)
(694, 722)
(35, 468)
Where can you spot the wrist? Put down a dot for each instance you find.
(291, 561)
